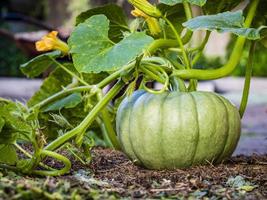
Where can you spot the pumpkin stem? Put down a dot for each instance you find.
(177, 84)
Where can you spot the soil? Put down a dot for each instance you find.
(110, 175)
(210, 181)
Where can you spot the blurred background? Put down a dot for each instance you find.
(23, 22)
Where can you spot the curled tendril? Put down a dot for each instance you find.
(157, 61)
(165, 86)
(56, 172)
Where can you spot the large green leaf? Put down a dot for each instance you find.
(39, 64)
(70, 101)
(173, 2)
(93, 51)
(116, 16)
(223, 22)
(8, 154)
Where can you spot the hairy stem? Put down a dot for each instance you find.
(64, 170)
(246, 88)
(66, 92)
(188, 11)
(81, 128)
(60, 95)
(179, 40)
(108, 125)
(69, 71)
(30, 156)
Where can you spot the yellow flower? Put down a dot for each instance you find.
(146, 7)
(138, 13)
(51, 42)
(152, 22)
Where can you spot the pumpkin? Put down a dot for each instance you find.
(177, 129)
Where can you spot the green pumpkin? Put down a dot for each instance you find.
(177, 129)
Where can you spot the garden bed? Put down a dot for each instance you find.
(111, 175)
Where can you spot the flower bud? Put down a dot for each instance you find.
(152, 22)
(146, 7)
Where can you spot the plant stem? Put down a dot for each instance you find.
(186, 38)
(179, 40)
(177, 84)
(30, 156)
(68, 146)
(188, 11)
(167, 43)
(115, 75)
(200, 48)
(232, 62)
(107, 122)
(65, 92)
(152, 75)
(203, 43)
(246, 88)
(81, 128)
(56, 156)
(161, 43)
(69, 72)
(104, 132)
(60, 95)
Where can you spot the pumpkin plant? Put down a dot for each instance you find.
(176, 126)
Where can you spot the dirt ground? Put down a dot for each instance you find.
(112, 176)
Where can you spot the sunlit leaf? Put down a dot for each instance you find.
(39, 64)
(116, 16)
(93, 51)
(223, 22)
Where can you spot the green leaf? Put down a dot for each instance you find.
(70, 101)
(173, 2)
(223, 22)
(8, 154)
(39, 64)
(93, 51)
(14, 124)
(116, 16)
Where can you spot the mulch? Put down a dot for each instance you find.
(128, 179)
(110, 175)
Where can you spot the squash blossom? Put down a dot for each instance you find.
(146, 7)
(52, 42)
(152, 22)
